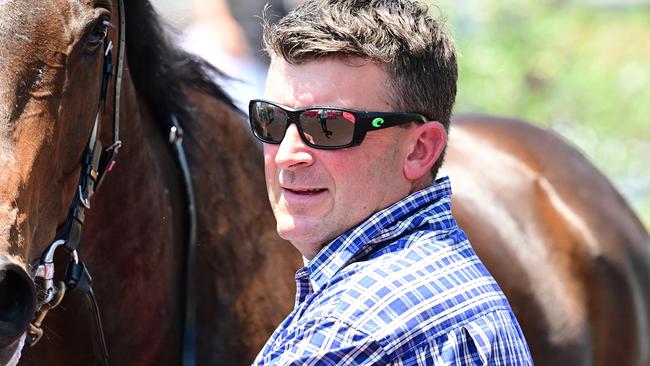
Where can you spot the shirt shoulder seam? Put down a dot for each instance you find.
(349, 324)
(454, 328)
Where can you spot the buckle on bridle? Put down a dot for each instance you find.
(51, 295)
(83, 199)
(76, 277)
(34, 330)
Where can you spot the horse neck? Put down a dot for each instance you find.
(134, 236)
(246, 270)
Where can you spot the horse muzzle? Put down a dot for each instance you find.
(17, 301)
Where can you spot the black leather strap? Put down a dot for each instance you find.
(95, 163)
(189, 325)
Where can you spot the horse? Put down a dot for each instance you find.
(134, 237)
(567, 250)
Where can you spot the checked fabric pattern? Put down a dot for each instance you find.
(403, 288)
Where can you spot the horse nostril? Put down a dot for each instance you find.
(17, 302)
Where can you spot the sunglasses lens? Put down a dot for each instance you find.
(327, 127)
(269, 122)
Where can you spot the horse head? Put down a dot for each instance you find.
(54, 57)
(46, 121)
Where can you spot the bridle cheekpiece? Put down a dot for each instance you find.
(95, 163)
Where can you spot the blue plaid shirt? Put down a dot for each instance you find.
(403, 288)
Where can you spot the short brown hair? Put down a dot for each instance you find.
(418, 55)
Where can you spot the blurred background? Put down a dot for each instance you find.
(578, 67)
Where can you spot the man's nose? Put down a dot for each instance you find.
(293, 151)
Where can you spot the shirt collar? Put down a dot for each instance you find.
(434, 201)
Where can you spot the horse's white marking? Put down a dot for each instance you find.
(6, 15)
(8, 216)
(23, 36)
(564, 315)
(21, 343)
(7, 157)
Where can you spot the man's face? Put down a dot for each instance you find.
(316, 195)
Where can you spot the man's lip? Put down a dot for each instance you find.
(303, 201)
(300, 190)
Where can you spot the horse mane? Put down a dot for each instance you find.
(161, 70)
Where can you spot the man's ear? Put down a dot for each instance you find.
(426, 144)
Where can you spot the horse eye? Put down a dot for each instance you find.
(98, 34)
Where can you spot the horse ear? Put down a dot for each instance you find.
(426, 143)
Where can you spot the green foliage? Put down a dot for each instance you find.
(583, 71)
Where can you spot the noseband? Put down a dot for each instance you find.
(95, 163)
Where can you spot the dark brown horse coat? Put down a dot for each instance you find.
(567, 250)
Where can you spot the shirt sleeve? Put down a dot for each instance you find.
(325, 341)
(492, 339)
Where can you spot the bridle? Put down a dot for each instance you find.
(95, 163)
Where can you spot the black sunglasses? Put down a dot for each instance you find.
(326, 128)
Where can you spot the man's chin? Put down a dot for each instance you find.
(305, 239)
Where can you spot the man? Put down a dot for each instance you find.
(389, 276)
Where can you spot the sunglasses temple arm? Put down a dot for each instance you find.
(378, 121)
